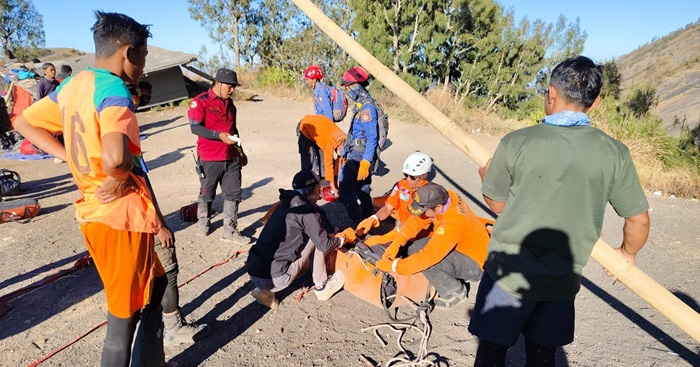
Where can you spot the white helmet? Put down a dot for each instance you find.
(417, 164)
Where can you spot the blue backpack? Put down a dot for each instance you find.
(339, 103)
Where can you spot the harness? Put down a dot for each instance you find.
(357, 145)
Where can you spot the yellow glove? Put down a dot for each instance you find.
(366, 225)
(393, 249)
(384, 265)
(363, 172)
(348, 234)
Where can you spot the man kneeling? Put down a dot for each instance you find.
(454, 253)
(295, 235)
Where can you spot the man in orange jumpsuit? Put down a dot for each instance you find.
(453, 255)
(320, 136)
(415, 170)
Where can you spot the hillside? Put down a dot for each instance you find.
(672, 65)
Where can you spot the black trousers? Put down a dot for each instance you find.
(224, 173)
(446, 275)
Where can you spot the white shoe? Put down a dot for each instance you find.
(331, 287)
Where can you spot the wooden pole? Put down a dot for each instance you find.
(636, 280)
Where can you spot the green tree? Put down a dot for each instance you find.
(641, 101)
(21, 29)
(232, 24)
(612, 80)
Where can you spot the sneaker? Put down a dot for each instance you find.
(331, 287)
(453, 299)
(265, 298)
(177, 331)
(235, 237)
(203, 227)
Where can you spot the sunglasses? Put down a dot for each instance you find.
(413, 178)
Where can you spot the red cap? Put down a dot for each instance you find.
(355, 74)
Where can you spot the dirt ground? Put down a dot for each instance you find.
(614, 327)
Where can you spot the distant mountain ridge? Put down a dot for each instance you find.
(671, 64)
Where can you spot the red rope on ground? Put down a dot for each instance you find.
(81, 264)
(51, 354)
(67, 345)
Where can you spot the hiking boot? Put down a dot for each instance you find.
(331, 286)
(453, 299)
(203, 227)
(232, 235)
(265, 298)
(177, 331)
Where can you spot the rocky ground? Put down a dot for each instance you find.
(614, 326)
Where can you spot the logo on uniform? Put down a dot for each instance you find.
(366, 116)
(193, 104)
(440, 230)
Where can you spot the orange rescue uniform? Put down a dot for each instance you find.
(458, 228)
(326, 134)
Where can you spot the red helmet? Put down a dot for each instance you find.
(327, 196)
(313, 72)
(355, 74)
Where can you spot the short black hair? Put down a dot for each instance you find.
(578, 79)
(113, 30)
(66, 69)
(47, 65)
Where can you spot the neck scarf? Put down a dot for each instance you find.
(567, 118)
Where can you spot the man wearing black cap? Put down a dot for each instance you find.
(296, 231)
(212, 117)
(454, 253)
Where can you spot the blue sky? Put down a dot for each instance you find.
(614, 27)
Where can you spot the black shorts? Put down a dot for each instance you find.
(499, 318)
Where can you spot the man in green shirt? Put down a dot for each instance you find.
(551, 183)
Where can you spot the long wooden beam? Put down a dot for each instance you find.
(636, 280)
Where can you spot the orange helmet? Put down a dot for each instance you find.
(313, 72)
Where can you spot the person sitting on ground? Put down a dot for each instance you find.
(452, 256)
(65, 72)
(296, 232)
(48, 82)
(416, 168)
(320, 136)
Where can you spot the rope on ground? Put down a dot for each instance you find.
(80, 264)
(304, 291)
(404, 359)
(52, 353)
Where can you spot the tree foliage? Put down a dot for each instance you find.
(472, 48)
(21, 29)
(612, 80)
(641, 101)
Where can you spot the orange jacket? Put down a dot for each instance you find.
(326, 134)
(457, 228)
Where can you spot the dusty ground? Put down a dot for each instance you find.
(614, 326)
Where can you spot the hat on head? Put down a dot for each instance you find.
(427, 197)
(307, 178)
(227, 76)
(355, 74)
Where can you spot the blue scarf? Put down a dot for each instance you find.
(567, 118)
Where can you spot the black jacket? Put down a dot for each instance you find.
(293, 223)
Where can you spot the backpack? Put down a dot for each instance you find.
(9, 182)
(19, 209)
(382, 124)
(339, 103)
